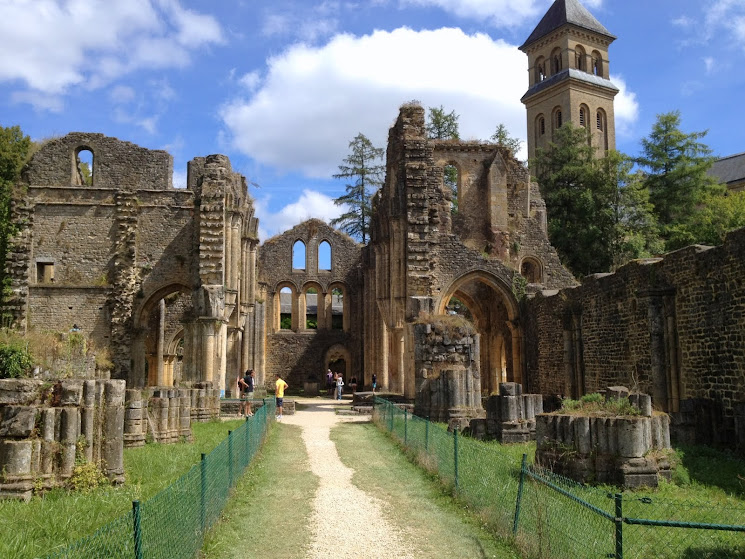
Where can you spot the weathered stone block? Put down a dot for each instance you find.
(17, 421)
(19, 392)
(15, 457)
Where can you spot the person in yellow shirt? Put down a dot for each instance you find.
(279, 393)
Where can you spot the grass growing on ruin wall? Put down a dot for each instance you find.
(37, 528)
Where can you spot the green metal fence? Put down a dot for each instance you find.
(554, 517)
(172, 524)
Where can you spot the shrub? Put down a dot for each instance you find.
(596, 405)
(15, 361)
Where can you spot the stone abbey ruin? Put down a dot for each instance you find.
(176, 284)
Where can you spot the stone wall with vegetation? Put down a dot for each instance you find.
(671, 327)
(50, 431)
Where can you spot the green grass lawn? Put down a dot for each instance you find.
(59, 517)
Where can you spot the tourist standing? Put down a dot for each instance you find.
(248, 388)
(374, 381)
(339, 386)
(279, 394)
(330, 382)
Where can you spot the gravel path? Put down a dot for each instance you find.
(337, 498)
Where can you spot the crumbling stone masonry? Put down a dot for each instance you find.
(421, 257)
(164, 277)
(447, 371)
(616, 450)
(510, 415)
(320, 303)
(671, 327)
(45, 427)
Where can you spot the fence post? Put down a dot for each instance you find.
(519, 495)
(230, 459)
(455, 450)
(203, 492)
(137, 529)
(619, 525)
(406, 427)
(426, 436)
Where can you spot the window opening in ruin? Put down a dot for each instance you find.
(44, 272)
(530, 269)
(84, 166)
(285, 306)
(337, 309)
(451, 180)
(582, 116)
(580, 58)
(540, 70)
(298, 255)
(324, 257)
(597, 64)
(456, 306)
(311, 309)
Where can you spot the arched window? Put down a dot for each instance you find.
(285, 308)
(83, 175)
(324, 257)
(311, 308)
(337, 308)
(556, 64)
(542, 125)
(298, 255)
(580, 58)
(597, 64)
(602, 126)
(600, 121)
(557, 119)
(451, 179)
(530, 269)
(540, 69)
(583, 113)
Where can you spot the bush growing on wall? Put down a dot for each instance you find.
(15, 361)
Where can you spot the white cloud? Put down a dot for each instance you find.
(709, 63)
(498, 13)
(302, 22)
(625, 107)
(51, 45)
(122, 94)
(721, 21)
(250, 81)
(314, 100)
(310, 204)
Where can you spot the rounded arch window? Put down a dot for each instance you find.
(540, 69)
(556, 64)
(324, 256)
(558, 118)
(531, 270)
(584, 113)
(580, 58)
(298, 255)
(83, 167)
(451, 182)
(597, 63)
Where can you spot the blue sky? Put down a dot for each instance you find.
(282, 86)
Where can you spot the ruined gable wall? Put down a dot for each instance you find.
(693, 299)
(299, 355)
(116, 164)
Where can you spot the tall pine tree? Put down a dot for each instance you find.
(364, 169)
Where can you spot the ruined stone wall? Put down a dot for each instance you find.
(116, 164)
(46, 426)
(300, 353)
(669, 327)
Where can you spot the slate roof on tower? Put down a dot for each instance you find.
(564, 12)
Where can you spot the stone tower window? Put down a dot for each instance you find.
(558, 118)
(44, 272)
(580, 58)
(600, 121)
(83, 167)
(583, 114)
(542, 126)
(324, 257)
(540, 69)
(556, 61)
(298, 255)
(597, 64)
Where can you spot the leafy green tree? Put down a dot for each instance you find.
(676, 167)
(442, 125)
(365, 171)
(717, 215)
(590, 222)
(15, 149)
(502, 137)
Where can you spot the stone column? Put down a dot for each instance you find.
(517, 351)
(112, 454)
(208, 356)
(88, 417)
(160, 379)
(301, 310)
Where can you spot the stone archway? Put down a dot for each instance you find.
(337, 354)
(489, 303)
(159, 329)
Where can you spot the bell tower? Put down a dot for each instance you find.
(569, 77)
